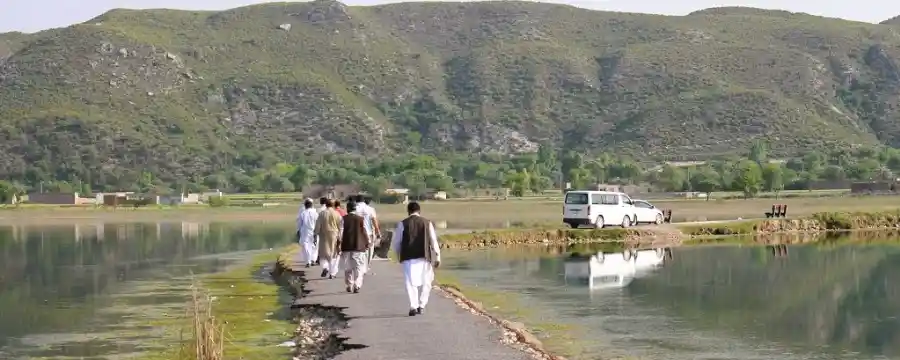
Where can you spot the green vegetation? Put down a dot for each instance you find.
(168, 100)
(249, 312)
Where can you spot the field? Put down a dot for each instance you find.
(460, 214)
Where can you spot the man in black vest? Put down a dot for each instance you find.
(354, 245)
(416, 243)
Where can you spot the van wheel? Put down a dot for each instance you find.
(599, 224)
(572, 225)
(659, 219)
(626, 222)
(627, 255)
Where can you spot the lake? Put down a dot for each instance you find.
(94, 291)
(705, 302)
(90, 290)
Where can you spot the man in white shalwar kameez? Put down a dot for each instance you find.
(372, 229)
(306, 232)
(416, 244)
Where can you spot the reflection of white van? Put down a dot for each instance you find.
(598, 209)
(613, 270)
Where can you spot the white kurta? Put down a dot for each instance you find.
(418, 273)
(306, 230)
(368, 214)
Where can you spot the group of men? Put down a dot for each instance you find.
(334, 241)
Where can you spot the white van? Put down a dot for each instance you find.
(598, 209)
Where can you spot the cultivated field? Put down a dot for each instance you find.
(459, 214)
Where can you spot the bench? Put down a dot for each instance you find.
(778, 211)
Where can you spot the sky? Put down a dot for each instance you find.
(36, 15)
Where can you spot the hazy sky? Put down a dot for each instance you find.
(35, 15)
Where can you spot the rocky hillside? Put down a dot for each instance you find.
(185, 93)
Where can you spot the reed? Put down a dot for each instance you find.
(207, 333)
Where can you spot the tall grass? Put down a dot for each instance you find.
(207, 333)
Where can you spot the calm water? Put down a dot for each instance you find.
(87, 291)
(710, 302)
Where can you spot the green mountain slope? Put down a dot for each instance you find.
(183, 94)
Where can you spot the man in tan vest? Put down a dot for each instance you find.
(416, 243)
(354, 245)
(328, 227)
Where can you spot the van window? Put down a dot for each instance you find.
(608, 199)
(577, 198)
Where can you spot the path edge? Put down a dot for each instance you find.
(522, 335)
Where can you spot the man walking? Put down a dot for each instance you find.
(354, 243)
(328, 227)
(416, 244)
(376, 227)
(306, 225)
(368, 214)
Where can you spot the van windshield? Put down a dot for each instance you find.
(577, 199)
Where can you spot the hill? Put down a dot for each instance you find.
(182, 94)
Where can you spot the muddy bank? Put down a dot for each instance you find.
(497, 238)
(817, 223)
(317, 327)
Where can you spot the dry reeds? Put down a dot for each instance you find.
(208, 334)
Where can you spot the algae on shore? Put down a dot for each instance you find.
(252, 308)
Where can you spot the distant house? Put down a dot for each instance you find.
(829, 184)
(340, 191)
(115, 198)
(436, 195)
(397, 195)
(873, 187)
(58, 199)
(180, 199)
(204, 197)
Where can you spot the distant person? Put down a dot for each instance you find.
(328, 227)
(354, 244)
(368, 214)
(415, 242)
(339, 209)
(306, 226)
(376, 227)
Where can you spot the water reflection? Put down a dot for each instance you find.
(613, 269)
(712, 302)
(60, 281)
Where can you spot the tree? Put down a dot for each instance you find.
(8, 191)
(773, 177)
(539, 184)
(579, 178)
(705, 180)
(216, 181)
(758, 151)
(748, 178)
(834, 173)
(301, 176)
(518, 182)
(671, 178)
